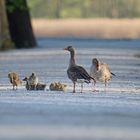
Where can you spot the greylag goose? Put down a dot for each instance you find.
(14, 79)
(100, 72)
(33, 80)
(76, 73)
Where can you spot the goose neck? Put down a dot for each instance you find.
(72, 58)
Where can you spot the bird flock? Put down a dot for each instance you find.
(99, 71)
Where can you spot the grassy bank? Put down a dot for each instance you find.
(98, 28)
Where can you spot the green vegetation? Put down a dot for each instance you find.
(13, 5)
(84, 8)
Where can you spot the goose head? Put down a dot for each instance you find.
(25, 79)
(69, 48)
(96, 62)
(33, 74)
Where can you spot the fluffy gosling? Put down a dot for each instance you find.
(14, 80)
(57, 86)
(33, 81)
(39, 86)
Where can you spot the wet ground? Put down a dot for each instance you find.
(30, 115)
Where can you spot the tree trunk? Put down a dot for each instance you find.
(4, 30)
(20, 24)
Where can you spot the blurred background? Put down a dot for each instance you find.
(60, 9)
(23, 21)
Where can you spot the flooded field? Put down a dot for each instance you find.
(53, 115)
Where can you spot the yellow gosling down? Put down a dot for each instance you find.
(57, 86)
(14, 80)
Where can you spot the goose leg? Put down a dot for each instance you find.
(105, 85)
(94, 83)
(35, 87)
(81, 87)
(74, 87)
(29, 87)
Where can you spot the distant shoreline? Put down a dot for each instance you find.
(96, 28)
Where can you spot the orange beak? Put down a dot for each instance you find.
(97, 66)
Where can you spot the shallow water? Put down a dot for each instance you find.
(114, 115)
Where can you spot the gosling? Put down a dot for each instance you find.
(39, 86)
(14, 80)
(33, 81)
(57, 86)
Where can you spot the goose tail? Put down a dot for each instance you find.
(113, 74)
(92, 79)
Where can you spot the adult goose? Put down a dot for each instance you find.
(76, 73)
(100, 72)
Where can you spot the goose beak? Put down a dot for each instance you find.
(25, 79)
(97, 66)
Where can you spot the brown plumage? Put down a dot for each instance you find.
(76, 73)
(14, 80)
(57, 86)
(100, 72)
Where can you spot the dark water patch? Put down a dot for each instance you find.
(88, 42)
(137, 55)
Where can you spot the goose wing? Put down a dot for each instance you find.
(107, 68)
(78, 72)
